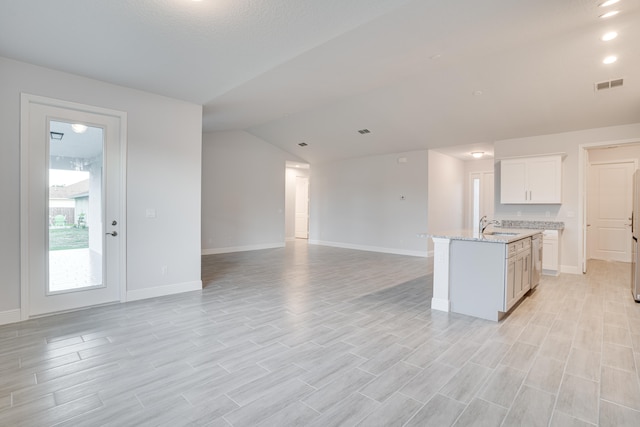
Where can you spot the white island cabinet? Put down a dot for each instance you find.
(482, 276)
(531, 180)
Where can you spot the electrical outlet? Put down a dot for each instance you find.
(164, 270)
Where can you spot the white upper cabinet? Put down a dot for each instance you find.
(531, 180)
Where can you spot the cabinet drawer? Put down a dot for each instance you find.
(518, 246)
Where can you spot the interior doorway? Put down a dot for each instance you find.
(609, 210)
(297, 201)
(73, 232)
(612, 153)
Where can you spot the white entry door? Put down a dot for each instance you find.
(610, 201)
(73, 230)
(302, 208)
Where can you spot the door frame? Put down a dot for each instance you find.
(589, 171)
(26, 100)
(583, 167)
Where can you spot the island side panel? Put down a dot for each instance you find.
(477, 278)
(440, 300)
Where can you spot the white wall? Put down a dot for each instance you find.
(356, 203)
(569, 143)
(163, 172)
(290, 200)
(446, 193)
(243, 193)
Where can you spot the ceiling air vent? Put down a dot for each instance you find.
(609, 84)
(364, 131)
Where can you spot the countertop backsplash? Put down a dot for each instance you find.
(540, 225)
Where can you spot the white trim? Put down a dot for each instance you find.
(24, 206)
(422, 254)
(160, 291)
(10, 316)
(215, 251)
(440, 304)
(569, 269)
(123, 205)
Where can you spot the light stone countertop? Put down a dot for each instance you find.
(467, 234)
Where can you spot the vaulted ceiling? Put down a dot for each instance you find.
(417, 73)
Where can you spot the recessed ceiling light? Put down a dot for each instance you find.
(436, 56)
(364, 131)
(609, 36)
(608, 3)
(610, 14)
(610, 59)
(303, 144)
(78, 128)
(477, 93)
(477, 154)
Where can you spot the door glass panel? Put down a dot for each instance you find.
(476, 205)
(75, 238)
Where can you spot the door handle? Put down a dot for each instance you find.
(113, 233)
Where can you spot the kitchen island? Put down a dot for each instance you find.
(483, 274)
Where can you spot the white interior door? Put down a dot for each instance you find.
(302, 208)
(609, 211)
(72, 193)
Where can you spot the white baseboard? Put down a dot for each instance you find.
(216, 251)
(10, 316)
(440, 304)
(159, 291)
(570, 269)
(421, 254)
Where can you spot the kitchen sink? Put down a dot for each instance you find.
(500, 233)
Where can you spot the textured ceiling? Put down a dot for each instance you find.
(289, 71)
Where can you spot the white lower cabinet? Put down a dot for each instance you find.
(488, 279)
(551, 252)
(518, 271)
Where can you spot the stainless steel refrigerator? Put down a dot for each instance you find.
(635, 235)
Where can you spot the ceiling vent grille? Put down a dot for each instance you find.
(364, 131)
(608, 84)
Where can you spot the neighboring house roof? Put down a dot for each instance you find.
(73, 191)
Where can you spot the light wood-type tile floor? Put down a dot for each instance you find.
(319, 336)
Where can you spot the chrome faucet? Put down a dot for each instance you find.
(484, 223)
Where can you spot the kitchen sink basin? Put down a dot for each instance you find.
(501, 233)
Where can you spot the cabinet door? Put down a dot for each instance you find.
(549, 254)
(510, 283)
(526, 272)
(544, 181)
(513, 181)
